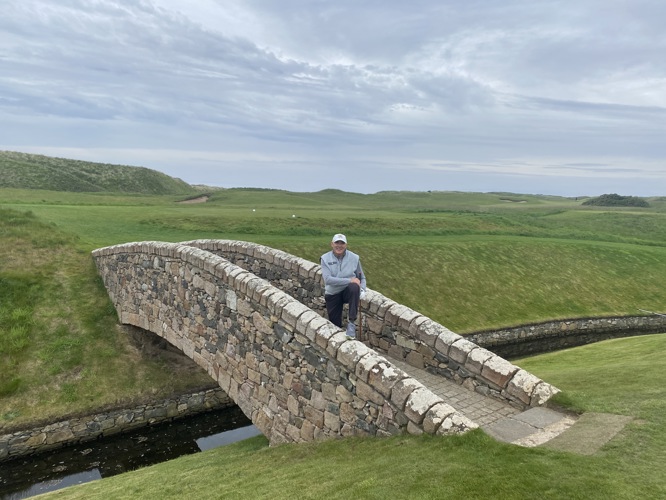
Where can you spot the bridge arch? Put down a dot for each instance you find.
(253, 318)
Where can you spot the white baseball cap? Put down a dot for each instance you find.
(339, 237)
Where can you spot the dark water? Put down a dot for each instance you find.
(26, 477)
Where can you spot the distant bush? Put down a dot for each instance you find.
(615, 200)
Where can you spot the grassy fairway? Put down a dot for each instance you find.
(470, 261)
(624, 376)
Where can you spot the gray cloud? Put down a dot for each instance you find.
(397, 94)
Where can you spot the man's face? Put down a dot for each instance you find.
(338, 247)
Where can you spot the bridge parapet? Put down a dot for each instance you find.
(291, 371)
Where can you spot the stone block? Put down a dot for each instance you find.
(460, 349)
(307, 431)
(293, 406)
(292, 311)
(315, 416)
(372, 324)
(348, 413)
(263, 420)
(324, 333)
(350, 352)
(542, 393)
(343, 395)
(396, 352)
(403, 389)
(498, 371)
(332, 422)
(415, 359)
(303, 322)
(366, 363)
(435, 416)
(244, 308)
(335, 342)
(476, 359)
(328, 390)
(455, 424)
(393, 313)
(418, 403)
(253, 376)
(317, 400)
(445, 339)
(415, 326)
(366, 392)
(406, 342)
(384, 376)
(60, 436)
(36, 440)
(521, 386)
(406, 319)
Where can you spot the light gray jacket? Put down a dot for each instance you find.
(338, 272)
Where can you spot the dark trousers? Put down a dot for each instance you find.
(350, 295)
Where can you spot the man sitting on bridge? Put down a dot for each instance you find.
(345, 282)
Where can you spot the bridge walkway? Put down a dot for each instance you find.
(499, 419)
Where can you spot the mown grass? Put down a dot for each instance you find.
(624, 376)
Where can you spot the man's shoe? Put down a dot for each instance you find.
(351, 330)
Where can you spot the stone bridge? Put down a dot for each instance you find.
(254, 318)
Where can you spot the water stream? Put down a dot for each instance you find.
(30, 476)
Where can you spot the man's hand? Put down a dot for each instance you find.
(355, 280)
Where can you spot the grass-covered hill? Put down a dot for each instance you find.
(28, 171)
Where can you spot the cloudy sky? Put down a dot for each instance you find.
(526, 96)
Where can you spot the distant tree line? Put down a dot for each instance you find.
(615, 200)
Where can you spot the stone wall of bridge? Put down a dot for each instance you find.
(391, 328)
(252, 317)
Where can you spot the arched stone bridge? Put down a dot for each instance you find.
(253, 317)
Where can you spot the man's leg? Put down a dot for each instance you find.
(334, 308)
(351, 295)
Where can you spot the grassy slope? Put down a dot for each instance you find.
(22, 170)
(471, 466)
(60, 348)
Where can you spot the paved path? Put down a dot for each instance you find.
(502, 421)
